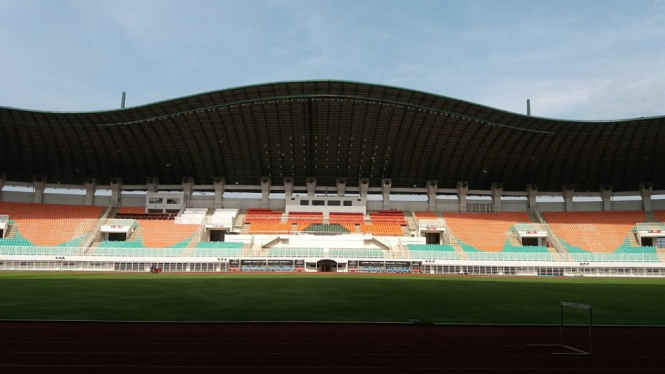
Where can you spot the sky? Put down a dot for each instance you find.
(574, 59)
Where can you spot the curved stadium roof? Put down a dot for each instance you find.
(329, 130)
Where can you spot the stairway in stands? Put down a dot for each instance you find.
(191, 246)
(556, 256)
(11, 233)
(458, 248)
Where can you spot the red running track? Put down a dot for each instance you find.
(46, 347)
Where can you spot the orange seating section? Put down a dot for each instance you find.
(353, 218)
(131, 210)
(484, 231)
(163, 233)
(388, 216)
(594, 231)
(262, 215)
(425, 215)
(51, 224)
(263, 227)
(659, 215)
(382, 229)
(305, 217)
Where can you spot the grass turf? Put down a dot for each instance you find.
(318, 297)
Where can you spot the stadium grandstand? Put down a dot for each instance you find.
(330, 176)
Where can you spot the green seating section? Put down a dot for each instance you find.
(356, 252)
(326, 229)
(295, 252)
(510, 252)
(217, 249)
(432, 252)
(624, 253)
(138, 252)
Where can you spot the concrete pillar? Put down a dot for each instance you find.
(219, 184)
(151, 184)
(386, 184)
(431, 194)
(568, 192)
(363, 186)
(40, 185)
(462, 191)
(606, 195)
(265, 191)
(116, 183)
(646, 190)
(90, 187)
(311, 186)
(531, 197)
(497, 190)
(188, 188)
(288, 187)
(341, 186)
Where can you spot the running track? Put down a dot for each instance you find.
(47, 347)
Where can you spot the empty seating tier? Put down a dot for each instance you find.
(382, 229)
(388, 216)
(425, 215)
(50, 224)
(432, 251)
(305, 217)
(483, 231)
(268, 227)
(353, 218)
(601, 232)
(217, 249)
(262, 215)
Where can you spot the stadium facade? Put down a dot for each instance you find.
(314, 176)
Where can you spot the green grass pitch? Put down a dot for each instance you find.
(320, 297)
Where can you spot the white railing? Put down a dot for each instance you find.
(4, 218)
(651, 226)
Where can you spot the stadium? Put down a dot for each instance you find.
(342, 178)
(330, 176)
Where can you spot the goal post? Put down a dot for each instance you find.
(563, 343)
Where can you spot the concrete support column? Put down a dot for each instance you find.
(606, 195)
(568, 192)
(311, 186)
(363, 186)
(288, 187)
(386, 184)
(219, 184)
(341, 186)
(531, 197)
(462, 191)
(265, 191)
(188, 188)
(646, 190)
(40, 185)
(151, 184)
(116, 183)
(497, 190)
(90, 187)
(431, 194)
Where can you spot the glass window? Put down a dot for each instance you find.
(173, 201)
(304, 202)
(334, 203)
(348, 203)
(155, 200)
(318, 202)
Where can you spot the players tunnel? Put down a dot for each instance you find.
(326, 266)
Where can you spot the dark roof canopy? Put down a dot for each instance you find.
(329, 130)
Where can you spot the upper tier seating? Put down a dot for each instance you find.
(388, 216)
(601, 232)
(483, 231)
(382, 229)
(262, 215)
(425, 215)
(138, 212)
(269, 227)
(50, 224)
(305, 217)
(353, 218)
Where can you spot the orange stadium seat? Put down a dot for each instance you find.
(484, 231)
(594, 231)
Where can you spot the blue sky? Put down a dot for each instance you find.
(578, 59)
